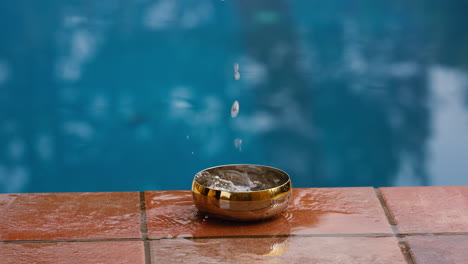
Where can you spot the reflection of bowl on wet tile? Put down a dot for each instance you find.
(242, 192)
(241, 248)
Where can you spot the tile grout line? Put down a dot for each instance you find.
(276, 236)
(398, 236)
(144, 229)
(389, 216)
(190, 237)
(433, 234)
(404, 247)
(71, 240)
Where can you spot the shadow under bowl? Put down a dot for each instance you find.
(242, 192)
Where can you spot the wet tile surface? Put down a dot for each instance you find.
(69, 216)
(439, 249)
(312, 211)
(428, 209)
(116, 252)
(322, 221)
(278, 250)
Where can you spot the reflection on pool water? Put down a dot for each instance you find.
(112, 96)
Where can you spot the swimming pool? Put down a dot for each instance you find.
(137, 95)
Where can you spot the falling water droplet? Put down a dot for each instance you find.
(235, 109)
(238, 144)
(187, 137)
(236, 71)
(193, 152)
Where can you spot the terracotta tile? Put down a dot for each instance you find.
(73, 252)
(428, 209)
(439, 249)
(69, 216)
(312, 211)
(278, 250)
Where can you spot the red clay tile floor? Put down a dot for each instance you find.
(321, 225)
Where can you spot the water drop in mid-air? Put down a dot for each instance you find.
(235, 109)
(238, 144)
(236, 71)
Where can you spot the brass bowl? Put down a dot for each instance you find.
(242, 192)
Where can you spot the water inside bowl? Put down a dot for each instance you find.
(244, 178)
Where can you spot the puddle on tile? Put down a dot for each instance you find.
(312, 211)
(278, 250)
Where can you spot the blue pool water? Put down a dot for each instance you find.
(137, 95)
